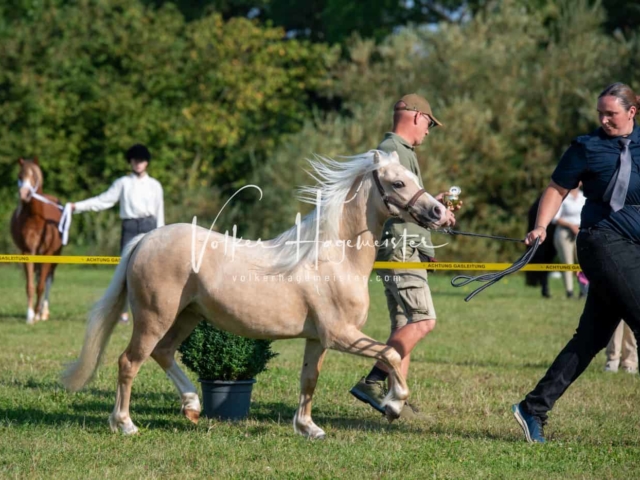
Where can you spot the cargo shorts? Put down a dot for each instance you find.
(408, 294)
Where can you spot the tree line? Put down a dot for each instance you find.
(228, 92)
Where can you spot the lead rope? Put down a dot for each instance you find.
(65, 220)
(491, 278)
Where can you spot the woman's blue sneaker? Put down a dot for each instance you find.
(531, 426)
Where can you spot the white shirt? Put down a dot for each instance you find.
(139, 197)
(571, 208)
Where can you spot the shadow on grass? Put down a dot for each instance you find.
(281, 413)
(53, 385)
(55, 317)
(13, 317)
(97, 421)
(155, 419)
(489, 364)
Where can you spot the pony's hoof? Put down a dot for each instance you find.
(308, 429)
(30, 321)
(319, 435)
(192, 415)
(391, 414)
(113, 425)
(130, 429)
(127, 428)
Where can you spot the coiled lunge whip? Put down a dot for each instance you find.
(490, 278)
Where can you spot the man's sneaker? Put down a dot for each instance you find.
(531, 425)
(372, 393)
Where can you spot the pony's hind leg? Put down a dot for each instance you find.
(42, 290)
(314, 354)
(353, 341)
(47, 291)
(148, 329)
(164, 354)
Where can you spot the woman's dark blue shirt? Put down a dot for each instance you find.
(593, 159)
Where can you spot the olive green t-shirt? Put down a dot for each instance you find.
(394, 227)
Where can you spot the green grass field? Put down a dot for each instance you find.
(482, 357)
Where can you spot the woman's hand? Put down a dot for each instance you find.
(538, 232)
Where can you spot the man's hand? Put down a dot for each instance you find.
(440, 198)
(449, 219)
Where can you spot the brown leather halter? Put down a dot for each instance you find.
(408, 207)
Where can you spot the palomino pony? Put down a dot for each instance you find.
(34, 228)
(289, 287)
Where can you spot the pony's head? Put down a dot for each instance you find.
(403, 196)
(29, 178)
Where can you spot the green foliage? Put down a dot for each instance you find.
(223, 101)
(335, 21)
(218, 355)
(82, 81)
(512, 88)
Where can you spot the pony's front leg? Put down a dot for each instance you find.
(351, 340)
(29, 270)
(302, 423)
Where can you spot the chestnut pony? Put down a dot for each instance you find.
(34, 229)
(289, 287)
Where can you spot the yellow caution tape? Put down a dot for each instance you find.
(59, 259)
(540, 267)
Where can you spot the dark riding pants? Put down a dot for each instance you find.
(612, 265)
(132, 227)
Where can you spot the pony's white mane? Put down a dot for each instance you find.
(334, 181)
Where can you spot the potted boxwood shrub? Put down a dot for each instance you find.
(226, 365)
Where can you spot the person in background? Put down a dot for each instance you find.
(608, 244)
(622, 350)
(567, 222)
(545, 254)
(141, 200)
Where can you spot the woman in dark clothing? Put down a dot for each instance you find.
(607, 162)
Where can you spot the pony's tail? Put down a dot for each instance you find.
(102, 320)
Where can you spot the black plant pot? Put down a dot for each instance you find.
(226, 400)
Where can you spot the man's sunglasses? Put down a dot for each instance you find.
(432, 122)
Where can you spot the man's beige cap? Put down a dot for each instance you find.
(416, 103)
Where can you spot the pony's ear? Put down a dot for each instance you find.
(376, 157)
(393, 156)
(21, 161)
(35, 160)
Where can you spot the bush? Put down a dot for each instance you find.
(218, 355)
